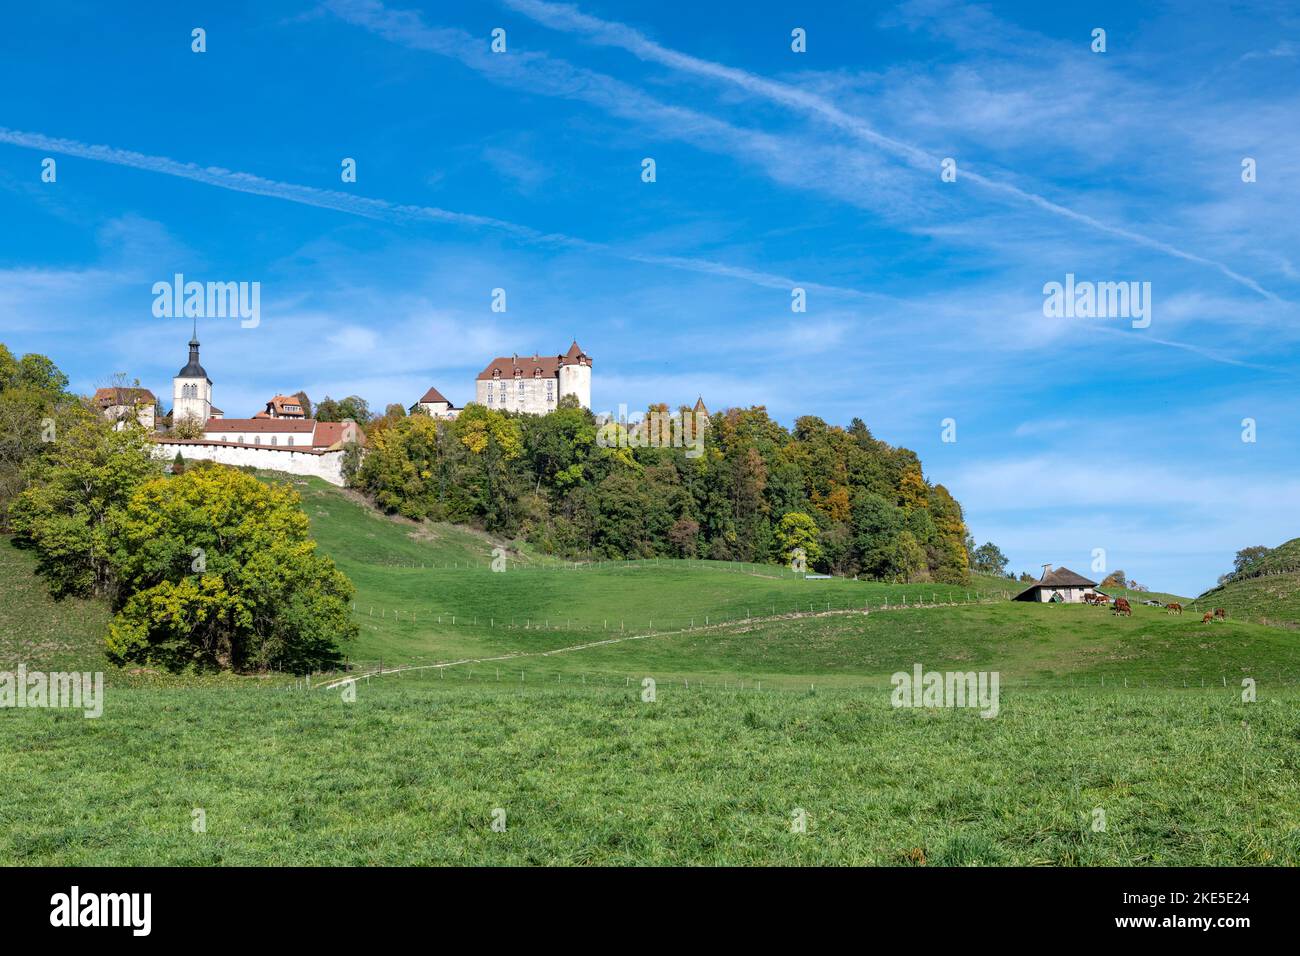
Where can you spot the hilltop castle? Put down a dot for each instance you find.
(535, 385)
(282, 438)
(513, 384)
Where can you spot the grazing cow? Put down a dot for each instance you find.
(1122, 607)
(1208, 618)
(1173, 607)
(1221, 614)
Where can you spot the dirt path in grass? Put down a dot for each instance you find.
(704, 628)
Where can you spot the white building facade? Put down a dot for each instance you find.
(535, 385)
(326, 464)
(277, 440)
(435, 405)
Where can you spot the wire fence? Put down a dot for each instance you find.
(515, 564)
(775, 612)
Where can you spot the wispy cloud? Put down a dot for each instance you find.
(569, 18)
(380, 209)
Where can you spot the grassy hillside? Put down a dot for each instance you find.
(426, 595)
(1029, 645)
(1093, 716)
(1271, 595)
(40, 632)
(427, 592)
(1285, 558)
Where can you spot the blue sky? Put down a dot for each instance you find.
(522, 171)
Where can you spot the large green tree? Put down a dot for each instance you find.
(222, 573)
(33, 403)
(989, 559)
(74, 490)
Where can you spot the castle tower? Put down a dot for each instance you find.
(192, 389)
(575, 375)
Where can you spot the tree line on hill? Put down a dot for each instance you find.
(208, 568)
(753, 491)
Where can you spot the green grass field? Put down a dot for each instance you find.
(776, 704)
(413, 770)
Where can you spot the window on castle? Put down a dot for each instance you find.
(273, 440)
(290, 440)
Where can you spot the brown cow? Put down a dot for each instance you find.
(1173, 607)
(1208, 618)
(1122, 607)
(1221, 614)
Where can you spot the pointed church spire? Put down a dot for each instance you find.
(193, 369)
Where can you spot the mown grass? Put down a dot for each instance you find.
(412, 771)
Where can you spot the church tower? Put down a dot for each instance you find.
(192, 389)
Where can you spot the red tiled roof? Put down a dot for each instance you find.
(282, 402)
(547, 365)
(260, 425)
(433, 395)
(329, 433)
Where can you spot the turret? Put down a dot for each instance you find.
(575, 375)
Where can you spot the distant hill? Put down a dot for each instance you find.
(1268, 593)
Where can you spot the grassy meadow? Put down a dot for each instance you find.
(412, 771)
(531, 703)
